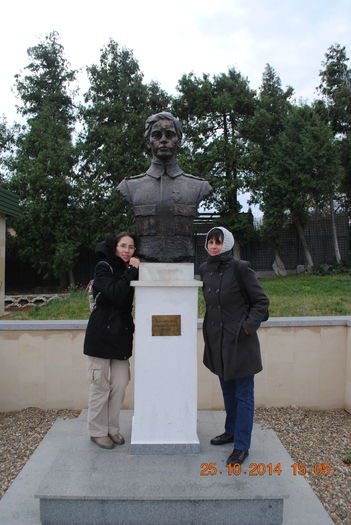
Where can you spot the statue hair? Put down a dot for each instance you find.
(160, 116)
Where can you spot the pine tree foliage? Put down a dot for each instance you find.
(263, 128)
(335, 86)
(112, 144)
(214, 112)
(300, 174)
(6, 146)
(271, 109)
(288, 156)
(43, 166)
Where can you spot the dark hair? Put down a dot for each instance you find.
(106, 249)
(160, 116)
(215, 234)
(124, 234)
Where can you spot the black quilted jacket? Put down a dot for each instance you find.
(110, 327)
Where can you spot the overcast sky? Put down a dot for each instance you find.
(172, 38)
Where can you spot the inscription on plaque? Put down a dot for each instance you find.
(166, 325)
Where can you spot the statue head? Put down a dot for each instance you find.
(164, 134)
(163, 115)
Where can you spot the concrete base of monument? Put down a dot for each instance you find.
(91, 486)
(165, 396)
(75, 483)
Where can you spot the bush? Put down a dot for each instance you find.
(342, 268)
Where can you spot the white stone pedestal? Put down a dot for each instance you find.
(165, 396)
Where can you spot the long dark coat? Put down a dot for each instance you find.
(229, 352)
(110, 327)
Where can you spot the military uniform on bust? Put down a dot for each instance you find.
(164, 199)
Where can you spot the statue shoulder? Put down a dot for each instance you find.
(129, 181)
(126, 186)
(135, 177)
(203, 185)
(189, 176)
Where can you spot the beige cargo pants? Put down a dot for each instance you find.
(108, 380)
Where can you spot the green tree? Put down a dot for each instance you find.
(335, 88)
(268, 120)
(6, 145)
(344, 148)
(300, 174)
(214, 112)
(112, 144)
(263, 128)
(43, 165)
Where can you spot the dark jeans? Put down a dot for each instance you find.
(238, 395)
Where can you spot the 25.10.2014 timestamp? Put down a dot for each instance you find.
(265, 469)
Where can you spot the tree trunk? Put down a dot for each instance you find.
(307, 253)
(236, 250)
(63, 281)
(231, 196)
(278, 265)
(71, 280)
(334, 233)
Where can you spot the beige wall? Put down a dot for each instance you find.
(308, 366)
(347, 405)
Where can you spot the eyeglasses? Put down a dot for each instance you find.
(126, 247)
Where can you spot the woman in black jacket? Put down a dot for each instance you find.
(109, 337)
(235, 306)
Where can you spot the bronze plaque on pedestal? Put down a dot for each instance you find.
(166, 325)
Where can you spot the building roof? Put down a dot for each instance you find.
(9, 203)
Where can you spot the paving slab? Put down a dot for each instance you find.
(73, 479)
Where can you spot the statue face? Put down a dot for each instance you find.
(163, 139)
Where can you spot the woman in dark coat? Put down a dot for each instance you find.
(109, 337)
(235, 306)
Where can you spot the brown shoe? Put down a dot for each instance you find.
(103, 442)
(117, 438)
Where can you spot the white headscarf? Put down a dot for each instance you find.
(228, 239)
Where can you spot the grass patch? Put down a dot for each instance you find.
(309, 295)
(293, 296)
(76, 306)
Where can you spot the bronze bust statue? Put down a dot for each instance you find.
(164, 199)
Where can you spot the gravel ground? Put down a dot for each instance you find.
(20, 434)
(317, 436)
(310, 436)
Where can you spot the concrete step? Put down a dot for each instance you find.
(89, 485)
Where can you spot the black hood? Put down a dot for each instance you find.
(105, 251)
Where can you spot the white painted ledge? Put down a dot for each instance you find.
(166, 284)
(81, 324)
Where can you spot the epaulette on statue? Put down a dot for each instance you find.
(133, 177)
(192, 176)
